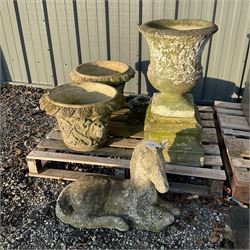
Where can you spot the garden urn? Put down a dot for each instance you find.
(112, 73)
(82, 112)
(175, 62)
(175, 66)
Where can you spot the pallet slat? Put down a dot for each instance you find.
(61, 174)
(233, 122)
(60, 146)
(208, 135)
(196, 172)
(100, 161)
(54, 141)
(212, 160)
(206, 116)
(228, 105)
(176, 187)
(73, 158)
(236, 133)
(243, 178)
(240, 163)
(230, 111)
(207, 124)
(205, 109)
(246, 153)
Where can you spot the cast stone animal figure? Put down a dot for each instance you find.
(103, 202)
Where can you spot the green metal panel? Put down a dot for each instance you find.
(10, 42)
(84, 30)
(96, 31)
(60, 13)
(123, 19)
(91, 19)
(6, 63)
(228, 50)
(34, 33)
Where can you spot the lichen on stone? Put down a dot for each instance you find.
(105, 202)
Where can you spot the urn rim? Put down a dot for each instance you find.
(178, 27)
(105, 71)
(99, 87)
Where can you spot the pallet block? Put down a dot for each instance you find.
(117, 152)
(235, 133)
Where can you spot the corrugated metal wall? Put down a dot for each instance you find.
(42, 40)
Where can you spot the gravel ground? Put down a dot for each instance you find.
(28, 218)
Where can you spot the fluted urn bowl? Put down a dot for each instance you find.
(82, 112)
(112, 73)
(175, 53)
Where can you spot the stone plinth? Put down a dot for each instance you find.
(169, 106)
(183, 135)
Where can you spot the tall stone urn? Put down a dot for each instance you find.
(176, 47)
(112, 73)
(82, 112)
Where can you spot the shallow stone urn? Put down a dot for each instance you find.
(175, 66)
(82, 112)
(112, 73)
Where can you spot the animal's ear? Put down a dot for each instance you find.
(164, 143)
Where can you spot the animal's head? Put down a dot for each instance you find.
(149, 160)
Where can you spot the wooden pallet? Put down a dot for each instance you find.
(117, 152)
(235, 133)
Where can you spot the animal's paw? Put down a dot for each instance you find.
(175, 211)
(121, 225)
(169, 207)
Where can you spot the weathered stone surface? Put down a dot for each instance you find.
(104, 202)
(175, 66)
(175, 53)
(165, 105)
(183, 135)
(82, 112)
(112, 73)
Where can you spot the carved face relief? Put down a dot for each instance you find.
(98, 129)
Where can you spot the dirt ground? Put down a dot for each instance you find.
(28, 218)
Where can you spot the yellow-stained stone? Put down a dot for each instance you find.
(167, 105)
(183, 136)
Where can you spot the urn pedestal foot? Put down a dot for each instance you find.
(183, 135)
(173, 106)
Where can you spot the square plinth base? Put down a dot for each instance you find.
(178, 106)
(183, 136)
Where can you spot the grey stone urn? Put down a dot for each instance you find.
(112, 73)
(176, 47)
(82, 112)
